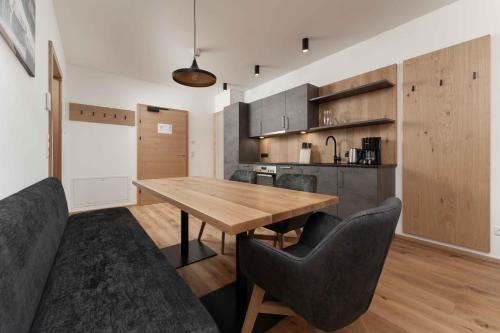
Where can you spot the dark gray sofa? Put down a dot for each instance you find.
(92, 272)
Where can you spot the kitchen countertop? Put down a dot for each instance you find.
(344, 165)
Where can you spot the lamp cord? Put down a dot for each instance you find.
(194, 20)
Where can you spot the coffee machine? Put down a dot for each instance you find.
(370, 150)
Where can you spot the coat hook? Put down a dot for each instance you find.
(104, 114)
(413, 88)
(93, 114)
(81, 112)
(474, 75)
(125, 117)
(115, 115)
(441, 82)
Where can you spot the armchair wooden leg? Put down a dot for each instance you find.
(201, 230)
(222, 243)
(257, 306)
(253, 309)
(280, 240)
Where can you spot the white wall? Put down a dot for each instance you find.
(23, 119)
(101, 150)
(458, 22)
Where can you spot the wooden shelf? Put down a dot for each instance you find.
(372, 86)
(361, 123)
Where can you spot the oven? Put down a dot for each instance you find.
(266, 174)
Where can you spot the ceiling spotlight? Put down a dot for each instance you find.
(305, 45)
(303, 132)
(256, 70)
(224, 86)
(261, 137)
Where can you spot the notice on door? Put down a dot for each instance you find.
(164, 128)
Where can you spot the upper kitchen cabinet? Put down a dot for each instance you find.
(273, 114)
(288, 111)
(299, 112)
(238, 147)
(255, 118)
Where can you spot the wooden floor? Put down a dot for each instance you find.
(421, 289)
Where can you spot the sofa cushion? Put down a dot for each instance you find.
(108, 276)
(32, 222)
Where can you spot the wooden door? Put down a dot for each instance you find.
(446, 146)
(162, 147)
(55, 115)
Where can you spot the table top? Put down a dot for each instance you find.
(234, 207)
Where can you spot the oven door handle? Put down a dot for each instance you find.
(264, 175)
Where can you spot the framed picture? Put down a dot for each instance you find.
(17, 26)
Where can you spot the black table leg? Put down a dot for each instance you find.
(228, 305)
(187, 252)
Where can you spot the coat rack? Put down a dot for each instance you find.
(100, 114)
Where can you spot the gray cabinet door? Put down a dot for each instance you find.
(255, 118)
(231, 140)
(248, 167)
(296, 109)
(327, 183)
(282, 169)
(273, 113)
(357, 190)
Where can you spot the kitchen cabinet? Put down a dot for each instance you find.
(299, 112)
(238, 147)
(283, 169)
(288, 111)
(327, 183)
(247, 167)
(255, 118)
(326, 179)
(273, 113)
(363, 188)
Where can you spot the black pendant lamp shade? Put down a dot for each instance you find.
(194, 76)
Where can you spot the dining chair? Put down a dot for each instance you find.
(243, 176)
(329, 277)
(298, 182)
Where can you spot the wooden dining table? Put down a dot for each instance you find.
(234, 208)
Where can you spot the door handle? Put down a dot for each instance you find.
(287, 123)
(181, 155)
(282, 121)
(285, 167)
(264, 175)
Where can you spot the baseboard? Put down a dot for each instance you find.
(450, 250)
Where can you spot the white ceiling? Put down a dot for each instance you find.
(148, 39)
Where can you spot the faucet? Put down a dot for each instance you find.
(336, 159)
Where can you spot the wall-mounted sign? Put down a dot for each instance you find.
(164, 128)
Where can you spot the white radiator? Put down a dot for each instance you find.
(105, 191)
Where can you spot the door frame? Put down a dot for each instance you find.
(55, 154)
(140, 109)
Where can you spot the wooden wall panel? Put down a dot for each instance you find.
(377, 104)
(446, 158)
(102, 115)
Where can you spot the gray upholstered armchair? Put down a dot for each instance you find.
(329, 276)
(297, 182)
